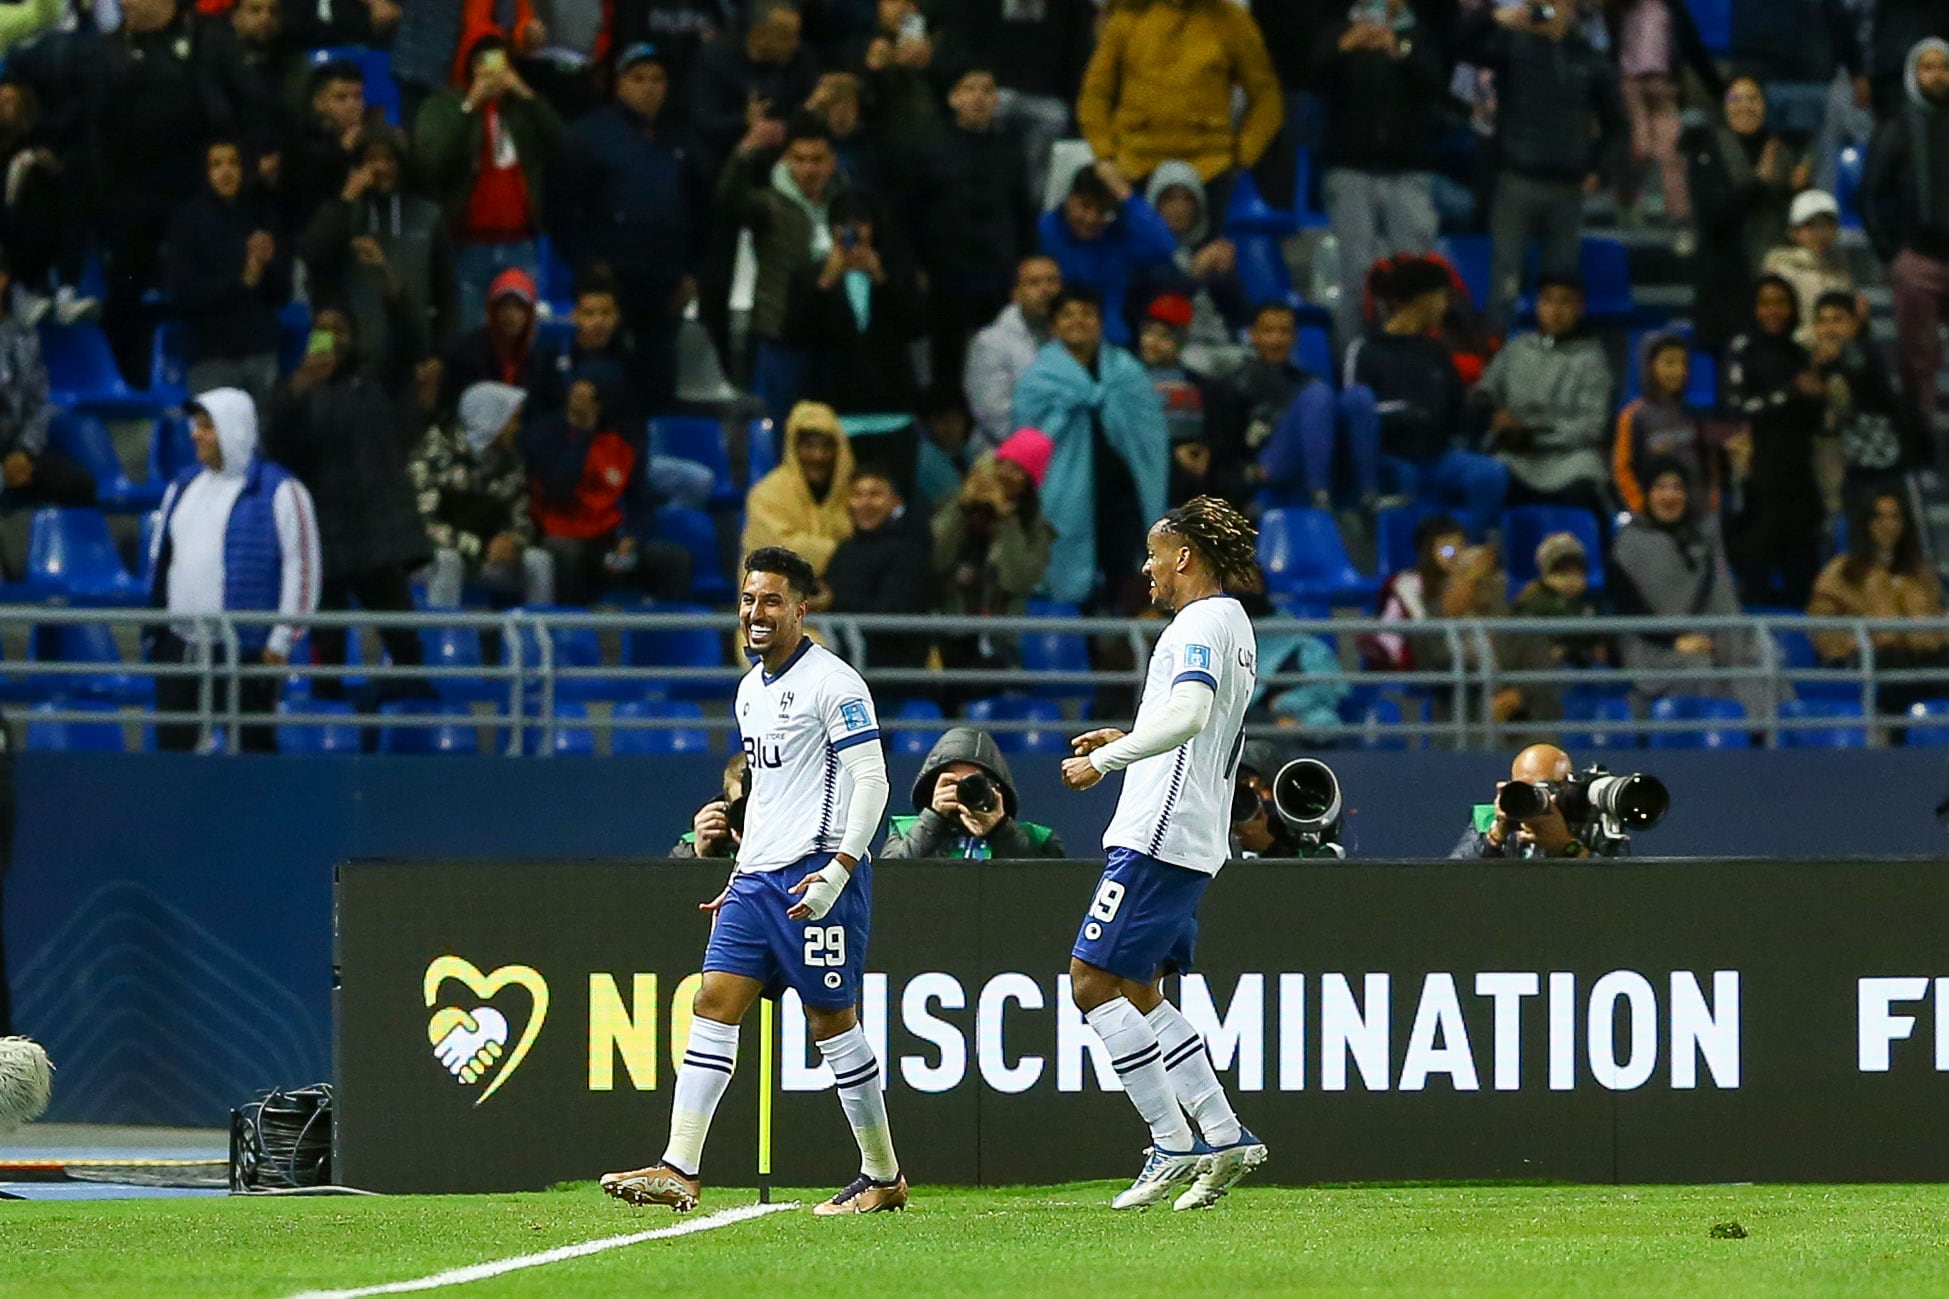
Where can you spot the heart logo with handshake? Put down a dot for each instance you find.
(472, 1043)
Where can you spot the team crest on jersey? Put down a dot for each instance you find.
(1197, 656)
(853, 713)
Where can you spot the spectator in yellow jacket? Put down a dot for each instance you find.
(1160, 87)
(801, 505)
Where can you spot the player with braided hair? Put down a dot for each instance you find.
(1169, 837)
(1225, 537)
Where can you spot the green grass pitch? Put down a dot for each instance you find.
(1055, 1241)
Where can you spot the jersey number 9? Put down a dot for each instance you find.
(1109, 896)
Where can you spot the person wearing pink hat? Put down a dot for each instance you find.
(992, 545)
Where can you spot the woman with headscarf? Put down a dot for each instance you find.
(1773, 502)
(1883, 575)
(1743, 178)
(1669, 562)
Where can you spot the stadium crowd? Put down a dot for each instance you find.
(504, 229)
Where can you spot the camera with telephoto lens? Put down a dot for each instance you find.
(1306, 795)
(977, 792)
(1619, 804)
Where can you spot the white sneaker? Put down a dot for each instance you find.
(70, 308)
(1164, 1172)
(1222, 1170)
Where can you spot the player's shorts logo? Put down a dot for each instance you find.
(854, 714)
(1092, 931)
(1197, 656)
(471, 1043)
(833, 979)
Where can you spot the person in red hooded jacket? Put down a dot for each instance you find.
(502, 350)
(591, 501)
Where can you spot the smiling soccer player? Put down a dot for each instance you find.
(797, 912)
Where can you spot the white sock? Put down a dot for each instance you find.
(701, 1079)
(1188, 1064)
(858, 1072)
(1139, 1063)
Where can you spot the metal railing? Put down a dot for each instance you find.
(523, 690)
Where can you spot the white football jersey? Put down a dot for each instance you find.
(1177, 806)
(794, 727)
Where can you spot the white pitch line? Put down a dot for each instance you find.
(501, 1267)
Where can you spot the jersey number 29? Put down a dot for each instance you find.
(825, 946)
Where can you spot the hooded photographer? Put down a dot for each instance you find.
(957, 818)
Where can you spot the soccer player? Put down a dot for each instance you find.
(1167, 840)
(797, 909)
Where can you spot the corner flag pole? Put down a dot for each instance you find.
(764, 1099)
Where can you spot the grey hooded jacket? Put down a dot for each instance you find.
(929, 834)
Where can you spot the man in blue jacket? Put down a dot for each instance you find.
(632, 194)
(1104, 231)
(238, 533)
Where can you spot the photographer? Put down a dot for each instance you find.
(966, 801)
(1257, 829)
(718, 828)
(1549, 834)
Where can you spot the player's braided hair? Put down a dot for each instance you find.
(1226, 538)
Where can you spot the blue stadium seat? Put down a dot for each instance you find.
(169, 363)
(1850, 165)
(574, 738)
(662, 739)
(1056, 651)
(557, 278)
(1263, 271)
(458, 735)
(321, 737)
(1928, 724)
(761, 439)
(459, 648)
(696, 532)
(86, 440)
(694, 647)
(572, 647)
(71, 557)
(919, 740)
(74, 737)
(1797, 656)
(1051, 737)
(293, 335)
(1249, 214)
(1580, 706)
(1304, 555)
(1524, 528)
(1371, 715)
(82, 375)
(1471, 256)
(86, 642)
(1824, 737)
(1698, 708)
(1314, 354)
(1714, 20)
(699, 438)
(171, 449)
(381, 90)
(1394, 537)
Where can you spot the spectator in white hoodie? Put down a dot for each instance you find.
(238, 533)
